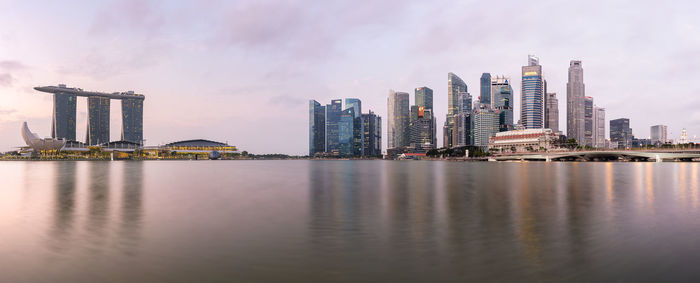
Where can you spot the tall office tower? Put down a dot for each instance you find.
(424, 97)
(485, 95)
(358, 132)
(684, 136)
(532, 95)
(551, 112)
(598, 127)
(64, 109)
(455, 85)
(346, 128)
(620, 132)
(460, 136)
(333, 112)
(132, 120)
(575, 93)
(502, 102)
(659, 135)
(397, 131)
(317, 128)
(484, 125)
(373, 134)
(588, 121)
(98, 120)
(421, 128)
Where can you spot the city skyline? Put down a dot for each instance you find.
(222, 84)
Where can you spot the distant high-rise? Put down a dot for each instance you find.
(532, 95)
(333, 112)
(317, 128)
(421, 128)
(502, 102)
(98, 120)
(64, 109)
(659, 135)
(575, 93)
(424, 97)
(346, 128)
(598, 127)
(132, 120)
(358, 132)
(455, 85)
(588, 121)
(485, 95)
(551, 112)
(484, 125)
(397, 131)
(461, 134)
(620, 132)
(372, 126)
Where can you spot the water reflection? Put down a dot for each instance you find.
(132, 207)
(63, 206)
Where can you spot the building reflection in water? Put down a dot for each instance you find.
(98, 204)
(132, 206)
(64, 206)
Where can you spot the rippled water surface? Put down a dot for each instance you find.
(348, 221)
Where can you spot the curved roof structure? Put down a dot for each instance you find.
(39, 144)
(81, 92)
(197, 143)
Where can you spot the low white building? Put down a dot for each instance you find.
(523, 140)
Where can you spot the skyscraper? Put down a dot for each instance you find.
(397, 131)
(64, 109)
(346, 128)
(532, 95)
(421, 128)
(588, 121)
(485, 95)
(620, 132)
(132, 120)
(358, 132)
(659, 135)
(598, 127)
(424, 98)
(484, 125)
(317, 128)
(502, 102)
(333, 112)
(455, 85)
(461, 133)
(575, 93)
(373, 134)
(551, 112)
(98, 120)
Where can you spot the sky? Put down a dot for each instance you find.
(243, 72)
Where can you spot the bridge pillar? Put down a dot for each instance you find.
(547, 158)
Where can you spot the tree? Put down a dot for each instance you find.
(571, 143)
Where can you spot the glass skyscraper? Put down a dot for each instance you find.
(455, 85)
(588, 121)
(421, 128)
(132, 120)
(484, 125)
(372, 126)
(502, 102)
(551, 112)
(575, 93)
(424, 97)
(620, 132)
(485, 95)
(98, 120)
(333, 112)
(64, 111)
(532, 95)
(358, 132)
(346, 129)
(398, 111)
(317, 128)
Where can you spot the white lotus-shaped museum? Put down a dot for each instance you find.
(38, 144)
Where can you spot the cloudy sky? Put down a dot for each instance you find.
(243, 71)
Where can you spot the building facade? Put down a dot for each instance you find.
(358, 132)
(485, 92)
(333, 112)
(424, 98)
(599, 127)
(484, 122)
(532, 95)
(621, 133)
(502, 102)
(98, 120)
(575, 93)
(523, 140)
(63, 119)
(455, 85)
(346, 132)
(373, 134)
(132, 120)
(588, 121)
(397, 132)
(317, 128)
(551, 112)
(421, 129)
(658, 135)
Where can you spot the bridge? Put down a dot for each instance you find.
(604, 155)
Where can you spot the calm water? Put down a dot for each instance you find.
(348, 221)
